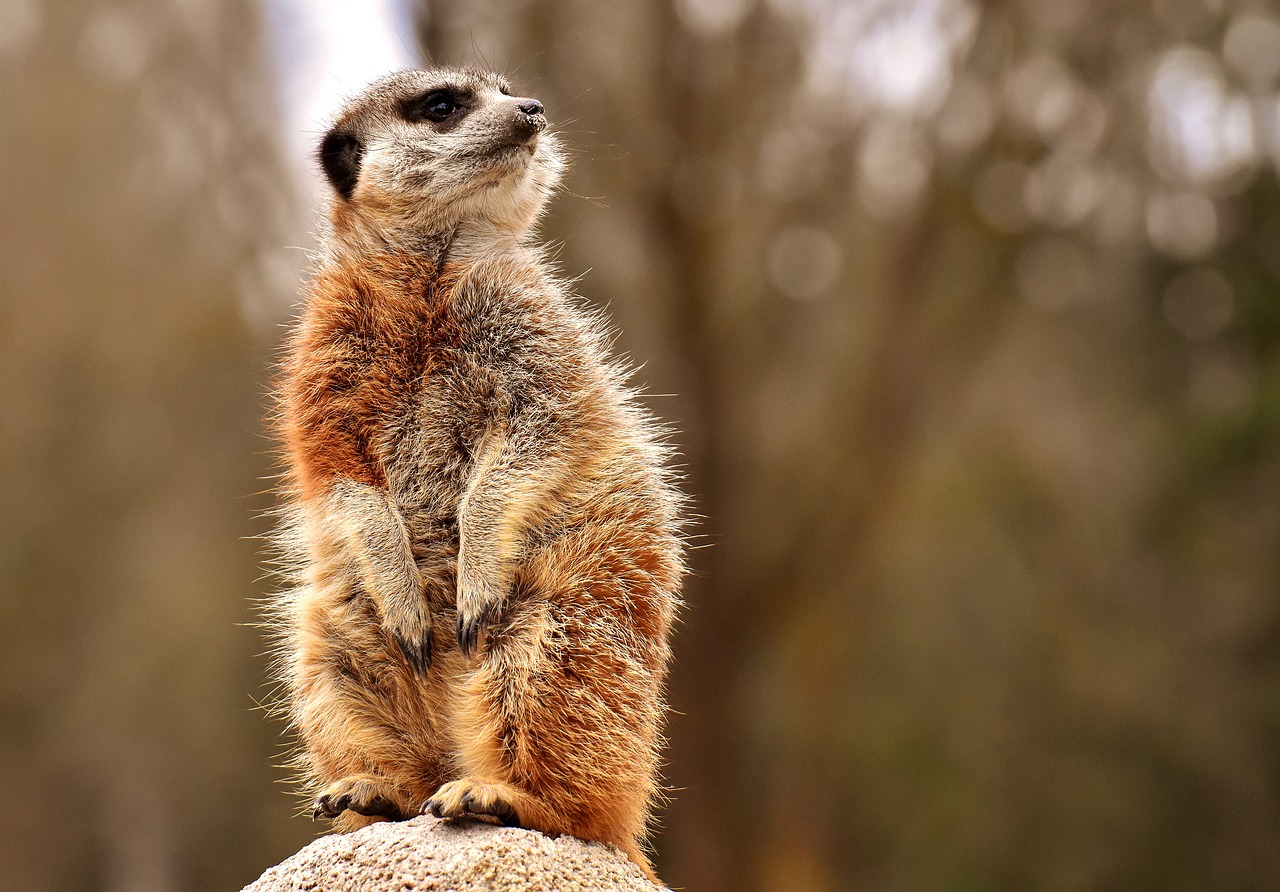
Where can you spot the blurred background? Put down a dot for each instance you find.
(968, 315)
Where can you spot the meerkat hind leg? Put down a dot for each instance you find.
(511, 807)
(571, 759)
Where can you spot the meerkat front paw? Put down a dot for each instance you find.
(479, 602)
(464, 797)
(363, 794)
(414, 646)
(411, 631)
(406, 619)
(471, 626)
(407, 622)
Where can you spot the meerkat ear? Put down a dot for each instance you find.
(340, 155)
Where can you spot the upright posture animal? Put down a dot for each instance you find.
(484, 541)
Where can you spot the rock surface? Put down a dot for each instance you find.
(429, 854)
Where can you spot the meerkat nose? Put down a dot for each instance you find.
(529, 121)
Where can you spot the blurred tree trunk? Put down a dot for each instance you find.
(964, 516)
(140, 194)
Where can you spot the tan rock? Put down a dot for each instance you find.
(429, 854)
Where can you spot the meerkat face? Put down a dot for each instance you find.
(437, 148)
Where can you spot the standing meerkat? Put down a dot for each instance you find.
(482, 536)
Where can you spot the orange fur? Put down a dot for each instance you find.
(485, 542)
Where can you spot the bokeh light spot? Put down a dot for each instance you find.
(890, 55)
(893, 167)
(967, 118)
(803, 262)
(712, 17)
(1183, 225)
(115, 46)
(1199, 132)
(1252, 47)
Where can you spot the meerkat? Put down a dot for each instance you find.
(483, 530)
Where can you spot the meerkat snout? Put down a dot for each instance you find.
(530, 121)
(531, 114)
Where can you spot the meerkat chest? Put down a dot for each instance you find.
(447, 411)
(474, 372)
(407, 380)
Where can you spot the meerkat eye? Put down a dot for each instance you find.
(440, 109)
(436, 106)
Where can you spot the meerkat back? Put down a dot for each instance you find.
(482, 534)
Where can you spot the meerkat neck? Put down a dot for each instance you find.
(354, 236)
(476, 241)
(462, 244)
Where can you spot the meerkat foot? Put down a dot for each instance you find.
(464, 797)
(362, 794)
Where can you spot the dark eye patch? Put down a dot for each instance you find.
(435, 106)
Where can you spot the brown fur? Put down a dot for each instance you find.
(484, 541)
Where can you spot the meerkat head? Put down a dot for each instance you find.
(422, 152)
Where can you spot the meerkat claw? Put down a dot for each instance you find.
(418, 655)
(498, 808)
(469, 631)
(460, 799)
(329, 806)
(364, 796)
